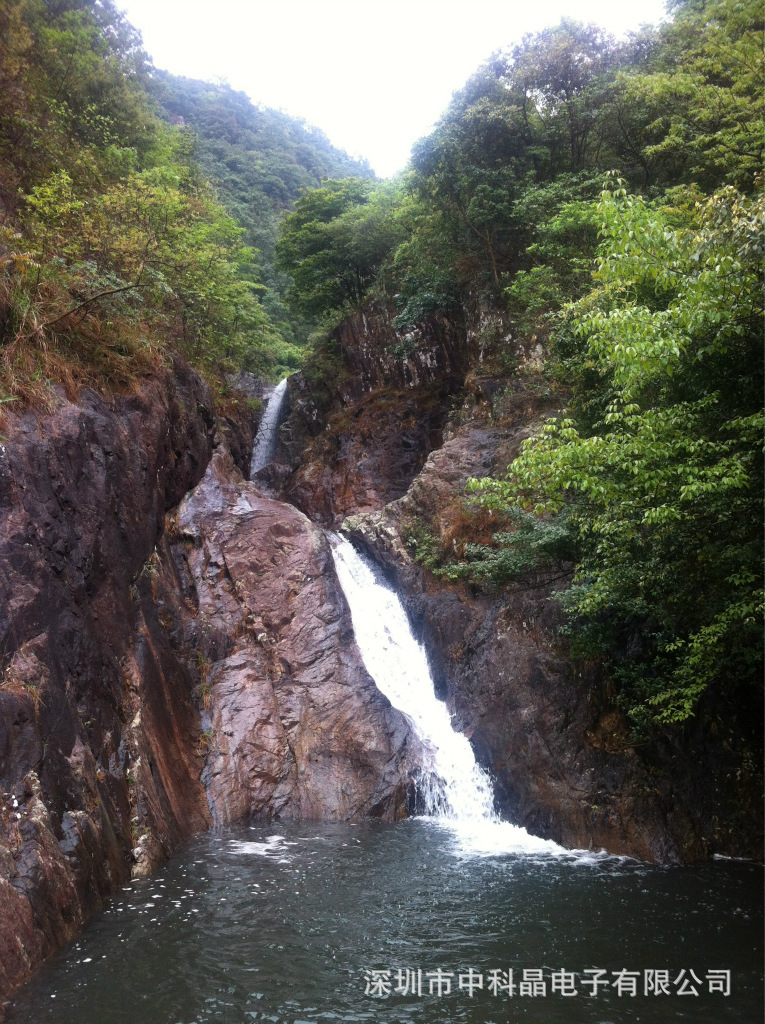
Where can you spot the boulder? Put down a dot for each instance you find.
(297, 727)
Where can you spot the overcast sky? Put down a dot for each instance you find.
(374, 75)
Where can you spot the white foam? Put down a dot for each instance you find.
(274, 846)
(453, 789)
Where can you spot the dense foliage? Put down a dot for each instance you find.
(658, 465)
(646, 284)
(114, 246)
(335, 241)
(260, 161)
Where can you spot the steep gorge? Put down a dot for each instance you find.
(177, 651)
(165, 667)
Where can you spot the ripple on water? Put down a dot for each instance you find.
(240, 933)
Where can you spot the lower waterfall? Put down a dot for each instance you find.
(453, 789)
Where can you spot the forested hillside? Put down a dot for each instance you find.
(602, 198)
(260, 160)
(124, 236)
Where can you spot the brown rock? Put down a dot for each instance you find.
(95, 722)
(368, 455)
(561, 762)
(297, 727)
(356, 439)
(376, 354)
(117, 621)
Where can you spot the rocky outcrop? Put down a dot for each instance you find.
(295, 725)
(367, 411)
(163, 668)
(368, 454)
(376, 354)
(558, 752)
(97, 735)
(372, 407)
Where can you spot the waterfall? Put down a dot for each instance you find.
(265, 439)
(453, 789)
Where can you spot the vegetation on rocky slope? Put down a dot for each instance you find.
(602, 198)
(122, 235)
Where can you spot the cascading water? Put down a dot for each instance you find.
(454, 790)
(265, 439)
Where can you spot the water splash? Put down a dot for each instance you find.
(274, 846)
(453, 789)
(265, 439)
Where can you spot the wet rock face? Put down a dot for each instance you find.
(97, 728)
(561, 762)
(368, 455)
(376, 354)
(295, 725)
(162, 669)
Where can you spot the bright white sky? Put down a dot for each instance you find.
(374, 75)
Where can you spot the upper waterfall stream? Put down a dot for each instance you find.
(453, 788)
(265, 440)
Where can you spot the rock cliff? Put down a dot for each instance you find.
(98, 735)
(163, 668)
(296, 726)
(368, 454)
(361, 431)
(545, 727)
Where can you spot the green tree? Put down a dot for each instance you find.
(657, 465)
(113, 244)
(259, 161)
(702, 98)
(335, 241)
(157, 243)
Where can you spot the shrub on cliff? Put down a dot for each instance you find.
(658, 461)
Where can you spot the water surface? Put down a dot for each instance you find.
(279, 923)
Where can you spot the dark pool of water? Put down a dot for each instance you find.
(246, 927)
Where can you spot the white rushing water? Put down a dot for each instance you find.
(454, 790)
(265, 439)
